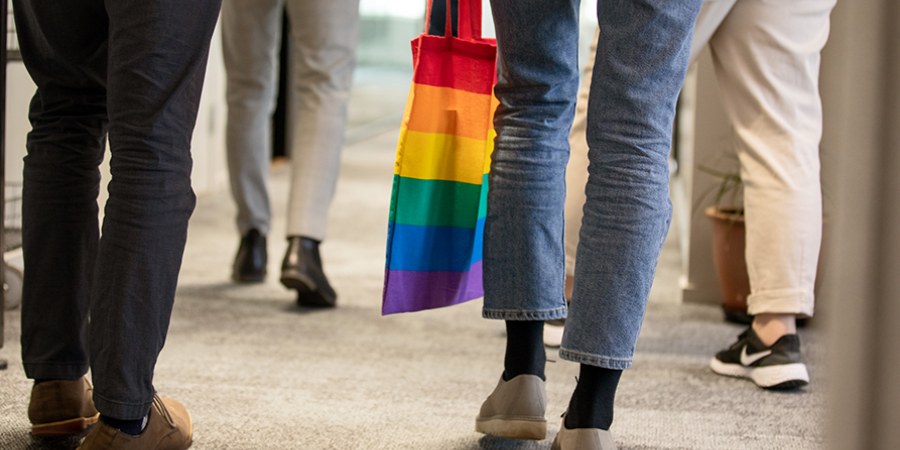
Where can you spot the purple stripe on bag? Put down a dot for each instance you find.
(411, 291)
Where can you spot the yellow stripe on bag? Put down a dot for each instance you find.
(490, 148)
(430, 156)
(438, 111)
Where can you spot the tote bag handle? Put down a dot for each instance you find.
(469, 14)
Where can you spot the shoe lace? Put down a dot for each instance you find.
(161, 407)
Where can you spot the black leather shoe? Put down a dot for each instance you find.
(250, 261)
(302, 270)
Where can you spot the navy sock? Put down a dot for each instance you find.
(132, 427)
(592, 402)
(524, 349)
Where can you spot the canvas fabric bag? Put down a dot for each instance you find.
(439, 195)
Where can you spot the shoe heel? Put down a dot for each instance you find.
(69, 427)
(297, 281)
(781, 377)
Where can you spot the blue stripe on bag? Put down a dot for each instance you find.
(434, 249)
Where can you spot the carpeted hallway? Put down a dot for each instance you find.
(258, 373)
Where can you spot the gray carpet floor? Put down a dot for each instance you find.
(258, 373)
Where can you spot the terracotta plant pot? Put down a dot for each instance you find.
(731, 267)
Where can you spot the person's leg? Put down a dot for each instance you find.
(576, 171)
(251, 37)
(251, 34)
(61, 181)
(323, 56)
(712, 13)
(159, 51)
(641, 61)
(767, 60)
(523, 238)
(63, 47)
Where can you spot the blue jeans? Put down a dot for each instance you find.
(130, 71)
(640, 65)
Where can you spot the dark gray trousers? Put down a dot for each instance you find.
(130, 71)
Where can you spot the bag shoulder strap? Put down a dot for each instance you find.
(469, 14)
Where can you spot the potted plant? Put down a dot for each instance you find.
(727, 217)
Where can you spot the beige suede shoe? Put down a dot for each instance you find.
(62, 408)
(582, 439)
(515, 409)
(168, 428)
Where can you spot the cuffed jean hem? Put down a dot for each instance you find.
(121, 411)
(516, 314)
(55, 371)
(594, 360)
(785, 301)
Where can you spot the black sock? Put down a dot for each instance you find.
(132, 427)
(592, 402)
(524, 349)
(44, 380)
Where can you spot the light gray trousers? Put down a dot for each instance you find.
(322, 58)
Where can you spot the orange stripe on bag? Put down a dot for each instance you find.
(438, 110)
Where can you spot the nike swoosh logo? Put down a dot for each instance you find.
(748, 360)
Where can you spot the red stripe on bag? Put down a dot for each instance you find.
(455, 63)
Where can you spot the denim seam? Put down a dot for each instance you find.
(518, 314)
(590, 359)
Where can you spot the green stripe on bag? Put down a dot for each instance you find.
(437, 203)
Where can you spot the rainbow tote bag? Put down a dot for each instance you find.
(439, 195)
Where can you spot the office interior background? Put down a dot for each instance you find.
(857, 304)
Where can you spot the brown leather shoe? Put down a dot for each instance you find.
(168, 428)
(62, 407)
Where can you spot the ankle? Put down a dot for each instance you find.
(771, 327)
(525, 353)
(592, 402)
(133, 427)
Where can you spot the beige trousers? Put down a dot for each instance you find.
(766, 57)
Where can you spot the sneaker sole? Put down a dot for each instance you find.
(532, 429)
(781, 377)
(70, 427)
